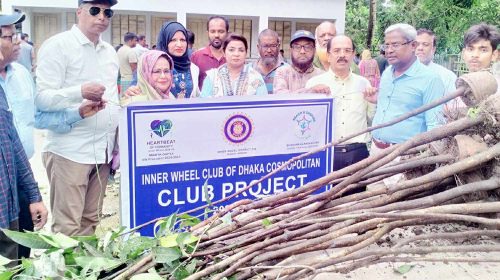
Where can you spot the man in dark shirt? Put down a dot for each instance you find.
(381, 60)
(211, 56)
(15, 175)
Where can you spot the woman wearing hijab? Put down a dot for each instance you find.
(154, 78)
(173, 40)
(234, 77)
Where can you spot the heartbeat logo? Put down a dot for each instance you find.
(161, 128)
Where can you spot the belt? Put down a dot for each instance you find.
(380, 144)
(348, 147)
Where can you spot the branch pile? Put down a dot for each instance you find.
(451, 175)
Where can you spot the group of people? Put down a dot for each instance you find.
(77, 98)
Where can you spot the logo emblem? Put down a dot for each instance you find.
(304, 122)
(161, 128)
(238, 128)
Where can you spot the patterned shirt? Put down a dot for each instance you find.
(289, 79)
(15, 170)
(269, 77)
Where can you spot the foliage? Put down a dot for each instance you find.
(449, 19)
(91, 257)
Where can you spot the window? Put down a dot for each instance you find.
(45, 26)
(156, 24)
(121, 24)
(284, 30)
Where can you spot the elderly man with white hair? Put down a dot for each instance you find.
(405, 85)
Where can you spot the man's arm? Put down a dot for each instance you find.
(132, 60)
(280, 84)
(63, 121)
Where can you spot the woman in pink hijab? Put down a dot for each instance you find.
(154, 78)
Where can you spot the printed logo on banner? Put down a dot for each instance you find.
(238, 128)
(161, 128)
(304, 122)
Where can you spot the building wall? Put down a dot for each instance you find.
(136, 16)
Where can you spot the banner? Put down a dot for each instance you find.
(170, 149)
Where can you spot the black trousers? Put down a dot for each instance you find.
(25, 222)
(345, 155)
(8, 248)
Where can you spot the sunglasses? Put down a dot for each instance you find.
(94, 11)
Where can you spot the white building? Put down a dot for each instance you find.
(248, 17)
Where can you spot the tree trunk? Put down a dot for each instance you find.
(371, 21)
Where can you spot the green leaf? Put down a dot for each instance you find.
(96, 264)
(165, 226)
(191, 267)
(166, 255)
(181, 273)
(404, 268)
(473, 112)
(135, 246)
(266, 222)
(146, 276)
(188, 220)
(27, 239)
(64, 241)
(4, 260)
(6, 275)
(185, 238)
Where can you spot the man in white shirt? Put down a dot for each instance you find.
(352, 111)
(75, 66)
(140, 47)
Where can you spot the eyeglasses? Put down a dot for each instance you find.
(307, 48)
(94, 11)
(339, 51)
(10, 38)
(162, 71)
(271, 46)
(396, 46)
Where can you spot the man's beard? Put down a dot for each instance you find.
(269, 61)
(216, 45)
(302, 65)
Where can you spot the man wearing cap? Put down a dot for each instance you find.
(352, 112)
(16, 178)
(75, 66)
(269, 61)
(293, 78)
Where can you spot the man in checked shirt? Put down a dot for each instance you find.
(15, 175)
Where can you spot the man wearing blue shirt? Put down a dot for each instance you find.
(406, 85)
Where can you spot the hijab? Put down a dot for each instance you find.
(167, 32)
(145, 81)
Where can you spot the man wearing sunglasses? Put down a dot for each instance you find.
(75, 67)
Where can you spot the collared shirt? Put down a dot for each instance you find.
(126, 55)
(448, 77)
(15, 170)
(351, 111)
(416, 87)
(20, 91)
(289, 79)
(68, 60)
(269, 77)
(205, 60)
